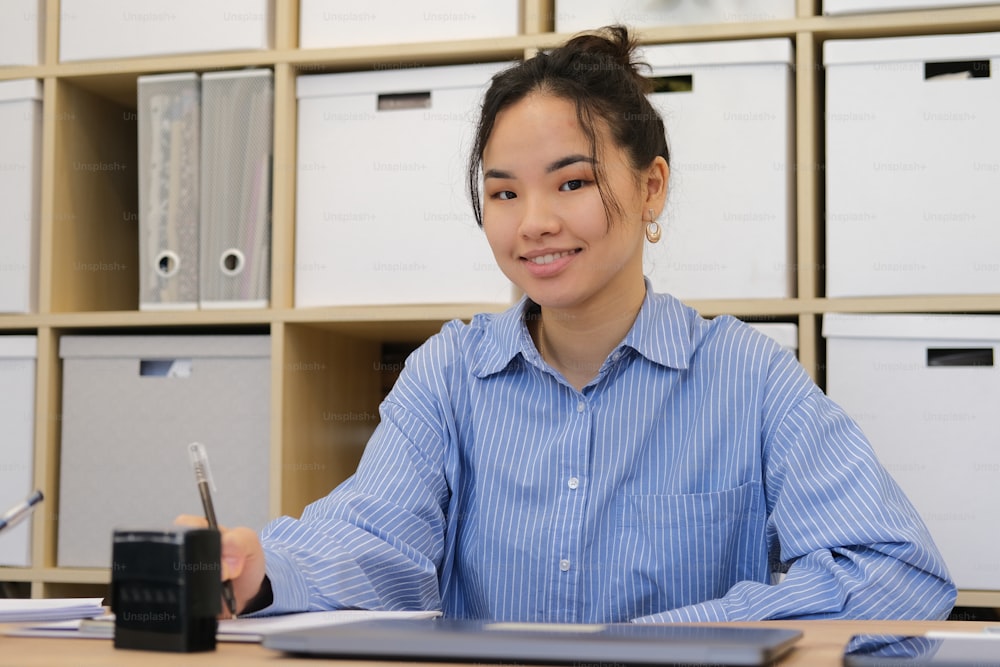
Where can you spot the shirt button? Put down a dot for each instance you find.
(573, 483)
(581, 406)
(564, 565)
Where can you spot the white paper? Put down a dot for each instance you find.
(101, 627)
(249, 630)
(16, 610)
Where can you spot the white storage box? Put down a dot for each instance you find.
(22, 23)
(332, 23)
(912, 165)
(576, 15)
(729, 218)
(20, 183)
(91, 30)
(131, 407)
(924, 388)
(831, 7)
(17, 450)
(383, 216)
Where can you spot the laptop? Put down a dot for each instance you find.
(456, 640)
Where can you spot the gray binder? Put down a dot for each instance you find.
(169, 117)
(236, 139)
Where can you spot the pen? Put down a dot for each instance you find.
(202, 474)
(20, 511)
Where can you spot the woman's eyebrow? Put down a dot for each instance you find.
(555, 166)
(568, 160)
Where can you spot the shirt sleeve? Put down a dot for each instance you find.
(377, 540)
(853, 545)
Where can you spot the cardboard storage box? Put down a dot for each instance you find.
(912, 165)
(924, 389)
(131, 407)
(333, 23)
(728, 225)
(91, 30)
(22, 25)
(576, 15)
(383, 216)
(871, 6)
(20, 192)
(17, 449)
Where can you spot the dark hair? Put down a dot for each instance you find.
(596, 72)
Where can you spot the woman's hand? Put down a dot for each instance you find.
(242, 558)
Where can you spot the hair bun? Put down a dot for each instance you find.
(607, 47)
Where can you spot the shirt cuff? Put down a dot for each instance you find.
(290, 593)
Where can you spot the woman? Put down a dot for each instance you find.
(599, 452)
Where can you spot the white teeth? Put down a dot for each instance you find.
(548, 259)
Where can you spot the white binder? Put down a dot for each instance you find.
(236, 139)
(169, 116)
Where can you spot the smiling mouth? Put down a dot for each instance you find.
(548, 259)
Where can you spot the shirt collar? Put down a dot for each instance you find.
(505, 336)
(664, 330)
(662, 333)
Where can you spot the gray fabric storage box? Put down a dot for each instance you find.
(131, 407)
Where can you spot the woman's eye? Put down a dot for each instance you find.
(575, 184)
(503, 195)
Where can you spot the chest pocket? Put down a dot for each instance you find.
(682, 549)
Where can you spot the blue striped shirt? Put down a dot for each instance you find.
(701, 476)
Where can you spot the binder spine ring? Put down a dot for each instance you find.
(167, 264)
(232, 262)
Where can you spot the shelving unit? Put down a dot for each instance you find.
(326, 362)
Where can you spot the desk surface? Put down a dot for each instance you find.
(820, 646)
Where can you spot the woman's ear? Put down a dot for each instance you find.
(656, 178)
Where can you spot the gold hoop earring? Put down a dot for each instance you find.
(653, 229)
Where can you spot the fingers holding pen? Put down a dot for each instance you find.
(192, 521)
(230, 566)
(242, 557)
(243, 563)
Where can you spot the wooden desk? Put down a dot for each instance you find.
(820, 646)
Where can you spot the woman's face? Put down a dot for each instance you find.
(543, 214)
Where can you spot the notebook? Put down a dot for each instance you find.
(436, 640)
